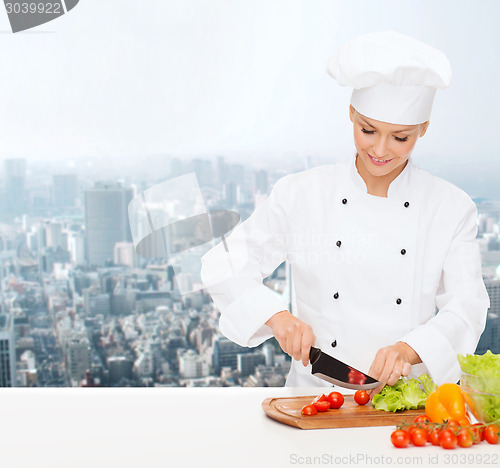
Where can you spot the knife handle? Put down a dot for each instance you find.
(314, 354)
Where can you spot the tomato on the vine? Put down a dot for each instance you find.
(361, 397)
(411, 427)
(309, 410)
(464, 437)
(419, 437)
(447, 439)
(434, 436)
(322, 405)
(422, 419)
(400, 438)
(477, 431)
(336, 400)
(491, 434)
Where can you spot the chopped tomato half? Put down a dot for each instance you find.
(321, 397)
(322, 405)
(309, 410)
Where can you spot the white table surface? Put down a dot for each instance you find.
(191, 427)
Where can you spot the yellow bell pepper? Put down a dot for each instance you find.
(445, 403)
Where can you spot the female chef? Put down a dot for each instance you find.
(375, 243)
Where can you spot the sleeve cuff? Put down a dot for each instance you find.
(439, 357)
(244, 319)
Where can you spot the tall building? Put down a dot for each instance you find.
(221, 176)
(54, 236)
(15, 186)
(79, 359)
(76, 248)
(64, 190)
(490, 339)
(106, 221)
(246, 363)
(230, 194)
(95, 302)
(119, 367)
(7, 351)
(125, 254)
(192, 366)
(225, 353)
(203, 170)
(261, 182)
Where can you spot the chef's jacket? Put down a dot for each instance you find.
(367, 271)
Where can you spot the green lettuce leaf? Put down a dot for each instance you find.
(388, 402)
(486, 367)
(429, 385)
(484, 370)
(414, 397)
(404, 394)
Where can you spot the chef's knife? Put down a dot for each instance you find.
(339, 373)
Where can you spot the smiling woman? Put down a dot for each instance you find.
(383, 149)
(411, 235)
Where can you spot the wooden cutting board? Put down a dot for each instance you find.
(288, 411)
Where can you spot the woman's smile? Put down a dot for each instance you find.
(379, 162)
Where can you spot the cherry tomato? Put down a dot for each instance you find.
(434, 436)
(447, 439)
(452, 422)
(309, 410)
(321, 397)
(464, 422)
(400, 438)
(361, 397)
(464, 437)
(419, 437)
(422, 419)
(336, 400)
(322, 405)
(491, 434)
(411, 427)
(477, 432)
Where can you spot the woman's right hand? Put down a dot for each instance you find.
(294, 336)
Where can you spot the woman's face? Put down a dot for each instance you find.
(384, 147)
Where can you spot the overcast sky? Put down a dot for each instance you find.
(212, 77)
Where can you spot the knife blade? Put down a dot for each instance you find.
(339, 373)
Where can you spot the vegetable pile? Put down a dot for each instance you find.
(448, 434)
(404, 394)
(445, 423)
(482, 383)
(333, 401)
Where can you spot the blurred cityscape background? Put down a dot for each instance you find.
(78, 306)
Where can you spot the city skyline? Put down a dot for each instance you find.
(124, 322)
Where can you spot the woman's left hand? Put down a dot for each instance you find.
(391, 363)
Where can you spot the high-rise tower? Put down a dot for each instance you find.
(106, 221)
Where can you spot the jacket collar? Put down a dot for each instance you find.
(399, 187)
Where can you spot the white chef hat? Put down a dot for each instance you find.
(394, 76)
